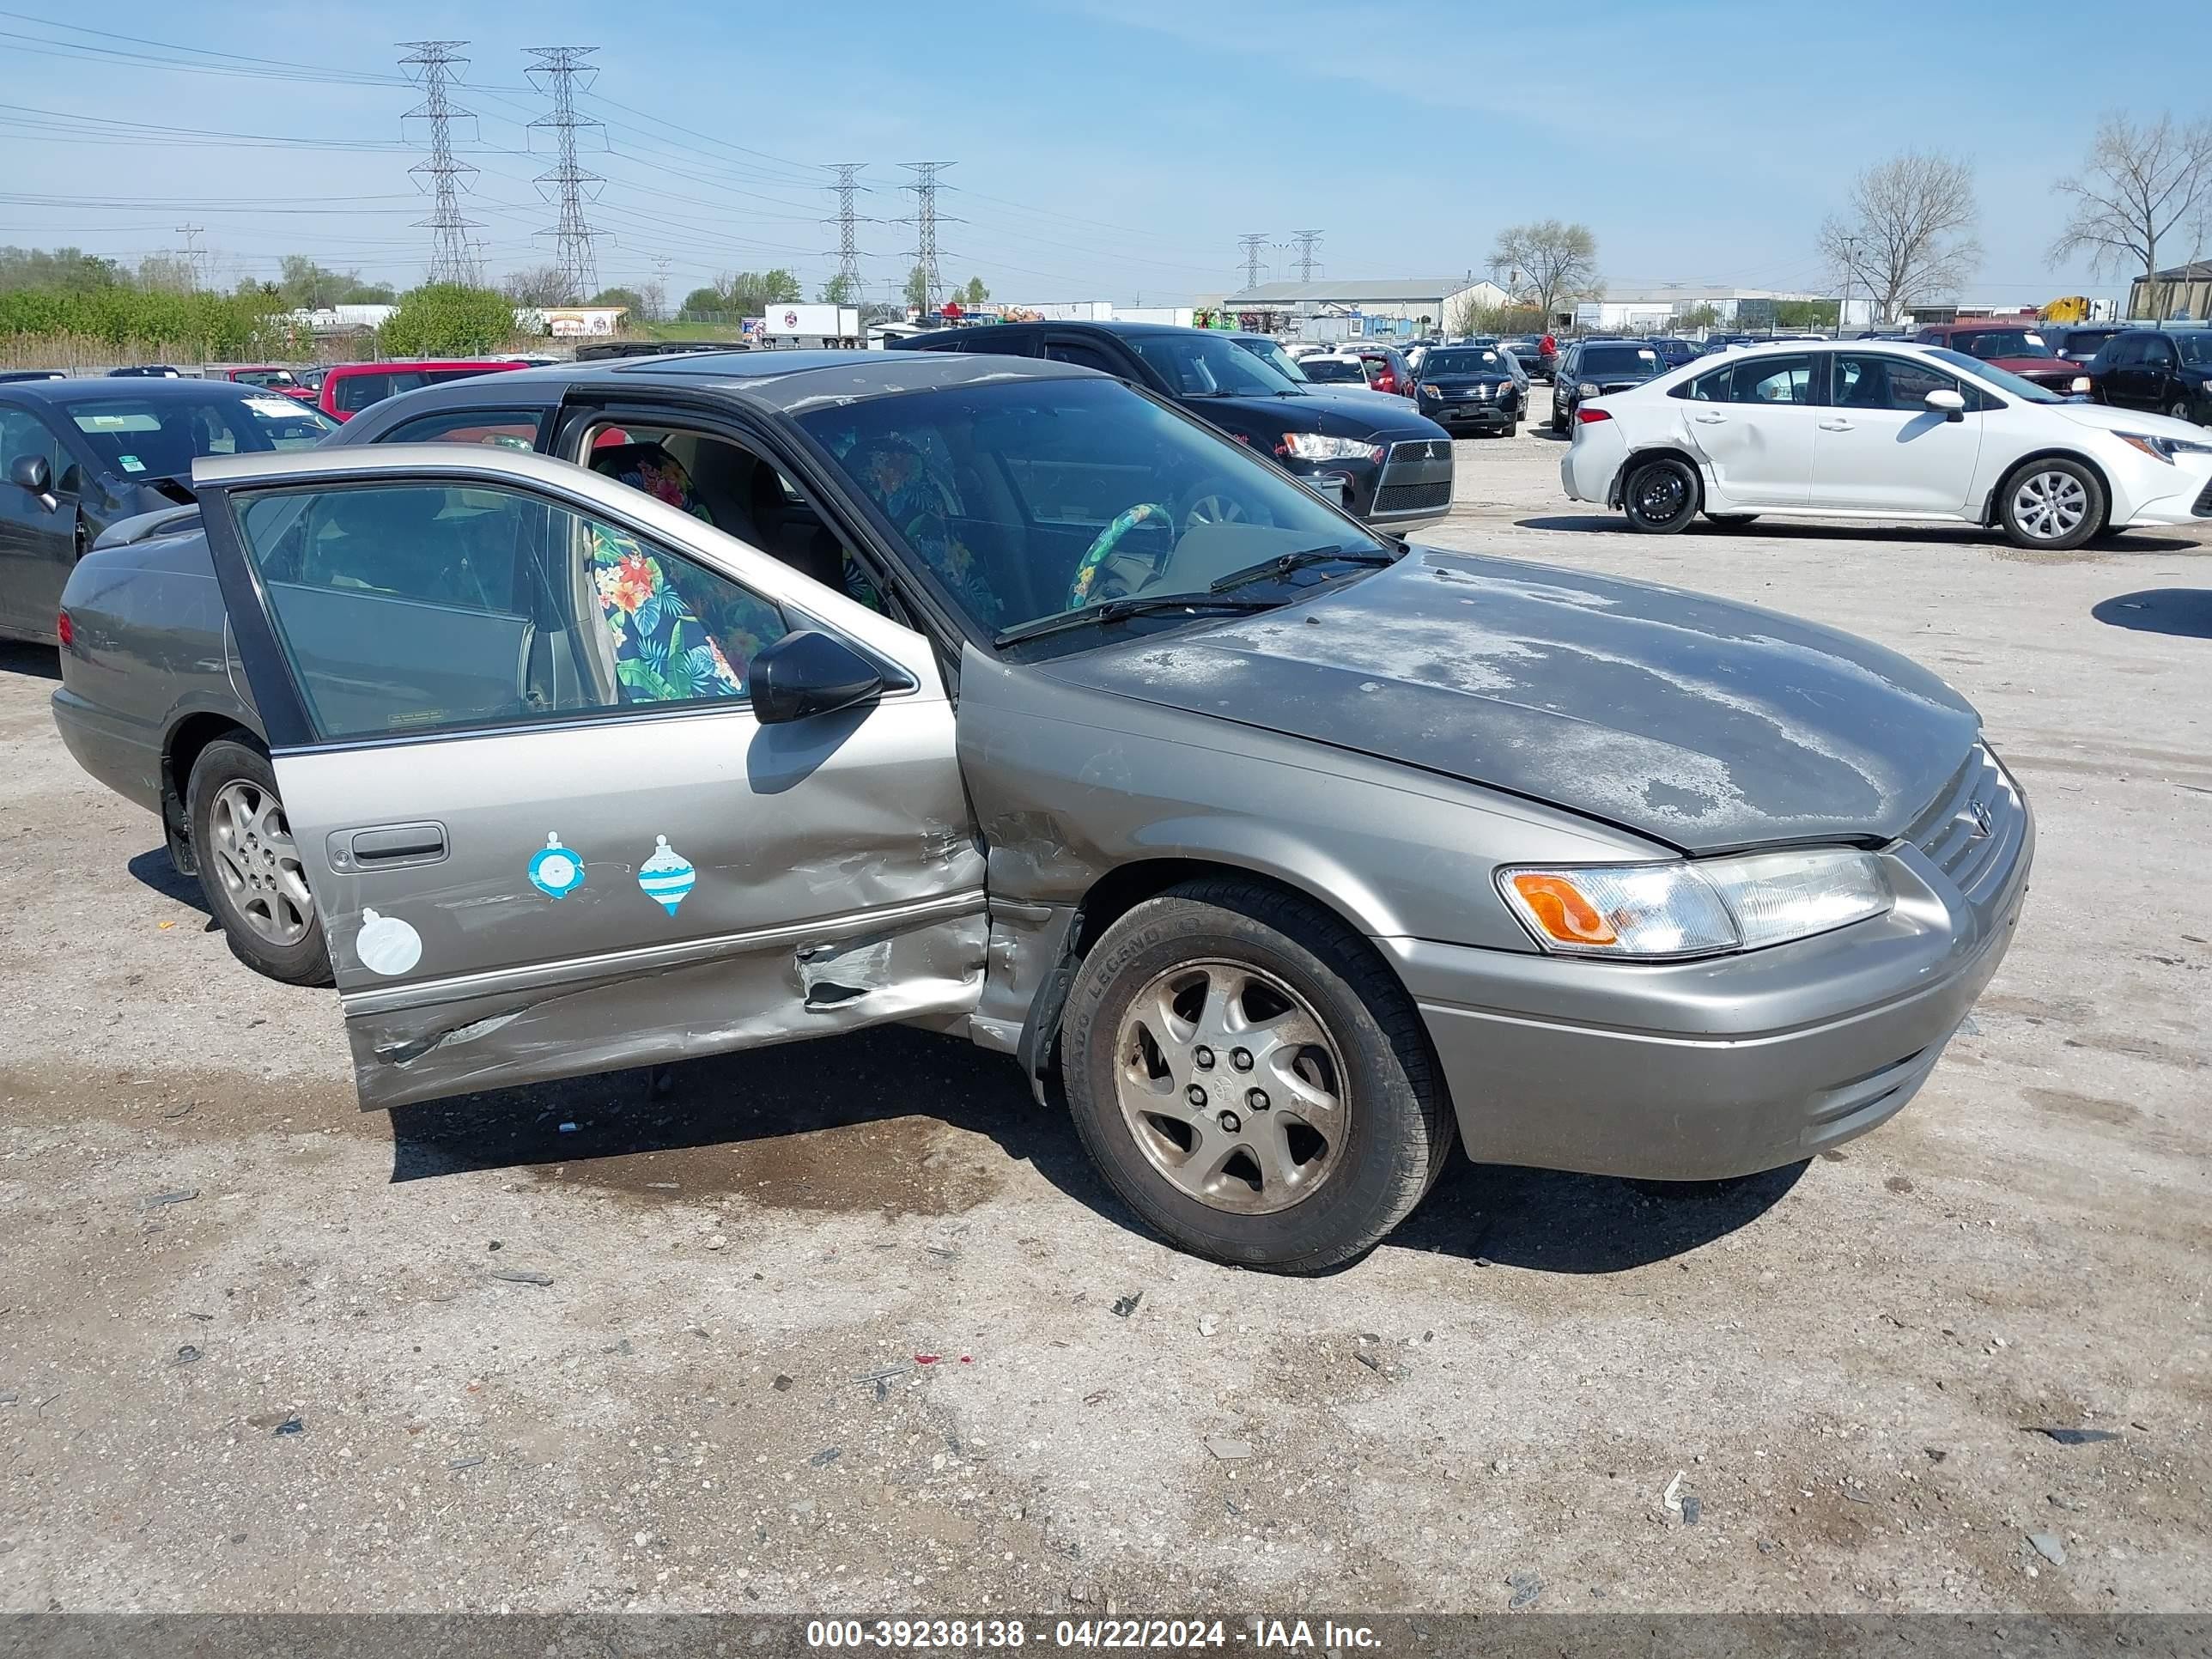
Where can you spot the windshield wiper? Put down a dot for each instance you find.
(1113, 610)
(1283, 563)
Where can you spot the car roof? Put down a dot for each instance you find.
(783, 381)
(133, 385)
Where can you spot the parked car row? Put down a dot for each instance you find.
(1023, 694)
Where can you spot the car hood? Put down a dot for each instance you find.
(1367, 415)
(2105, 418)
(2030, 367)
(1463, 382)
(1361, 402)
(1700, 723)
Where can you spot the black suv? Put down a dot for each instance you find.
(1591, 369)
(2167, 371)
(1392, 470)
(1469, 385)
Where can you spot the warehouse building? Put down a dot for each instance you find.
(1376, 308)
(2178, 294)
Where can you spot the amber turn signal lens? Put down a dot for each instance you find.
(1561, 910)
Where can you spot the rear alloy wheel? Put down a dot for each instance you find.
(2180, 411)
(1251, 1079)
(1660, 495)
(249, 868)
(2052, 505)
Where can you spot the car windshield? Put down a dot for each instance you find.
(160, 437)
(1993, 343)
(2004, 379)
(1031, 499)
(1464, 361)
(1619, 360)
(2196, 348)
(1271, 353)
(1338, 371)
(1200, 365)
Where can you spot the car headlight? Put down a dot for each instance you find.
(2158, 446)
(1428, 391)
(1587, 390)
(1319, 446)
(1688, 909)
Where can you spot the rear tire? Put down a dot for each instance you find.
(2050, 505)
(2180, 412)
(249, 868)
(1660, 495)
(1350, 1087)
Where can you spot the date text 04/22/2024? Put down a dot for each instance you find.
(1163, 1634)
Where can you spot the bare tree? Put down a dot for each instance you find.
(2138, 183)
(1907, 233)
(1548, 262)
(545, 286)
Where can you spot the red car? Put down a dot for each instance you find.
(348, 388)
(275, 378)
(2016, 347)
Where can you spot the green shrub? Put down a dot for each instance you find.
(446, 319)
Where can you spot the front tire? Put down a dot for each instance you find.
(2052, 505)
(1252, 1080)
(1660, 495)
(250, 869)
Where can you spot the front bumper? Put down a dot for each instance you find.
(1494, 414)
(1699, 1071)
(1412, 488)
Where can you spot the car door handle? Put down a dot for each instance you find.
(409, 842)
(1709, 420)
(1836, 426)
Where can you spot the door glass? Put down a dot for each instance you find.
(509, 429)
(2157, 354)
(1881, 382)
(355, 392)
(1772, 380)
(1082, 354)
(23, 435)
(410, 607)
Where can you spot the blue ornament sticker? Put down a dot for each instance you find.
(667, 876)
(555, 870)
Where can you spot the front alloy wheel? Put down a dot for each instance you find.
(2052, 505)
(1251, 1078)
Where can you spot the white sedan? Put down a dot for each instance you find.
(1882, 430)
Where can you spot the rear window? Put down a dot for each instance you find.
(1990, 344)
(1327, 371)
(1619, 359)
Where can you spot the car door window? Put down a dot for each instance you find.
(355, 392)
(2123, 353)
(23, 435)
(1083, 354)
(1772, 380)
(1872, 381)
(410, 607)
(2157, 353)
(509, 429)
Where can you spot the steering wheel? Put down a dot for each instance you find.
(1095, 557)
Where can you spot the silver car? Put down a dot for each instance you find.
(775, 698)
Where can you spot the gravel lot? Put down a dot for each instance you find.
(717, 1401)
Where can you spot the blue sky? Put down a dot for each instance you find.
(1104, 151)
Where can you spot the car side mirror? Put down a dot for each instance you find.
(809, 673)
(36, 474)
(1947, 403)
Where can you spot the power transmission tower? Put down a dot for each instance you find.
(452, 259)
(557, 71)
(1252, 244)
(925, 220)
(849, 185)
(1308, 240)
(191, 235)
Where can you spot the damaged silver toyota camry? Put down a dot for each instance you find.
(697, 703)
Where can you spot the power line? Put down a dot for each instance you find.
(1252, 242)
(847, 185)
(1308, 241)
(557, 73)
(924, 221)
(440, 63)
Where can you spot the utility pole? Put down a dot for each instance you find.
(1308, 240)
(925, 220)
(555, 74)
(452, 257)
(1252, 242)
(191, 235)
(847, 186)
(660, 263)
(1844, 303)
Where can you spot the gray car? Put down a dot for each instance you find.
(781, 698)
